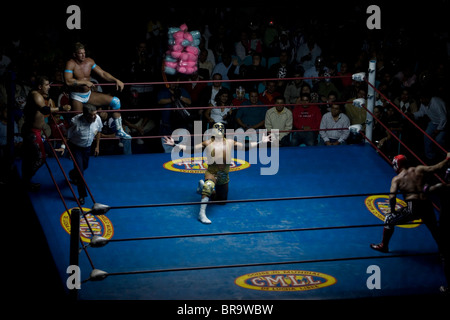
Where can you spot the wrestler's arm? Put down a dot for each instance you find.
(54, 108)
(251, 145)
(393, 194)
(198, 147)
(437, 167)
(44, 109)
(69, 78)
(97, 143)
(107, 76)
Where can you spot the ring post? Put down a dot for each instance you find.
(370, 99)
(74, 244)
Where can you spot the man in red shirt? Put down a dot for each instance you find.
(305, 117)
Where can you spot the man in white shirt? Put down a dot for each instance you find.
(435, 109)
(84, 129)
(334, 119)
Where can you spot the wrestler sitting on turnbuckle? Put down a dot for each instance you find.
(218, 153)
(77, 76)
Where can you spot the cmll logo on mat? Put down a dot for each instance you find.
(285, 280)
(199, 165)
(100, 225)
(378, 205)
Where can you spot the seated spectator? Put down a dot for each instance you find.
(332, 97)
(406, 103)
(195, 89)
(325, 87)
(205, 67)
(346, 82)
(306, 116)
(242, 47)
(251, 117)
(222, 111)
(253, 71)
(267, 97)
(280, 118)
(293, 89)
(281, 70)
(334, 119)
(224, 66)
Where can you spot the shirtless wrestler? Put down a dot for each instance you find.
(38, 107)
(77, 75)
(411, 182)
(218, 151)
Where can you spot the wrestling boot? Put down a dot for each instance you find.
(384, 245)
(202, 213)
(200, 186)
(120, 133)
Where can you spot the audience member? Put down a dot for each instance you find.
(294, 89)
(280, 118)
(307, 117)
(205, 66)
(435, 109)
(251, 117)
(267, 97)
(307, 53)
(281, 70)
(332, 121)
(173, 97)
(222, 111)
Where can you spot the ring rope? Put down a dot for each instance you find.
(83, 246)
(74, 162)
(400, 141)
(157, 205)
(105, 274)
(410, 120)
(245, 200)
(166, 83)
(259, 232)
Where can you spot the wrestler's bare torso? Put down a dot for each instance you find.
(219, 152)
(410, 182)
(81, 71)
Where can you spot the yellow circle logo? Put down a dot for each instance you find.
(100, 225)
(199, 165)
(285, 280)
(379, 206)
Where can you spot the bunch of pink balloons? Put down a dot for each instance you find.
(183, 51)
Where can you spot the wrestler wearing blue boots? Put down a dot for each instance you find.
(77, 75)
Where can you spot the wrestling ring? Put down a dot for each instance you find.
(300, 234)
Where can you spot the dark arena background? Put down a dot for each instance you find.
(298, 238)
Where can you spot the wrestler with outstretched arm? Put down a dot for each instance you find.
(77, 75)
(218, 150)
(411, 182)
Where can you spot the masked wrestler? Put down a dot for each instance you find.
(218, 151)
(411, 182)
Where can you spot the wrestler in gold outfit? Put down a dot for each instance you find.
(218, 151)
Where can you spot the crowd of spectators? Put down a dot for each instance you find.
(237, 44)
